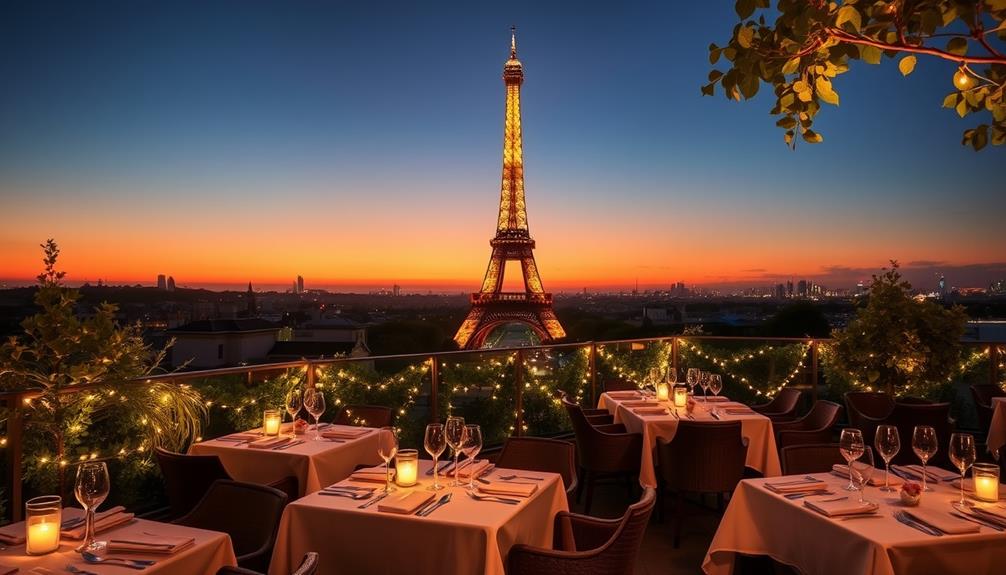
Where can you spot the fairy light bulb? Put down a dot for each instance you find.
(962, 80)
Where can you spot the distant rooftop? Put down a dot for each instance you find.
(226, 326)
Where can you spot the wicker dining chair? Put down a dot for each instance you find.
(866, 410)
(810, 458)
(906, 416)
(605, 451)
(783, 406)
(248, 512)
(364, 416)
(618, 384)
(308, 566)
(585, 545)
(541, 454)
(703, 457)
(983, 393)
(187, 478)
(815, 427)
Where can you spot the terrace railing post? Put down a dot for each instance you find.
(813, 370)
(674, 357)
(434, 389)
(993, 364)
(15, 456)
(593, 373)
(310, 375)
(518, 365)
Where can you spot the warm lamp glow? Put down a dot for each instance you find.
(680, 396)
(42, 524)
(406, 467)
(986, 478)
(962, 80)
(663, 392)
(271, 422)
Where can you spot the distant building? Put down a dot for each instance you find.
(300, 284)
(208, 344)
(396, 290)
(789, 288)
(801, 288)
(325, 337)
(252, 309)
(170, 284)
(161, 282)
(780, 291)
(998, 287)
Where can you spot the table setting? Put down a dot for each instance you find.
(462, 514)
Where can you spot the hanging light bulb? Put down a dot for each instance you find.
(962, 80)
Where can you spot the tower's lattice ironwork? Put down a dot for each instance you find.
(491, 306)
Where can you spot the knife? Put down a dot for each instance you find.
(374, 500)
(431, 508)
(440, 467)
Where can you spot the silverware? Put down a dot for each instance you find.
(287, 445)
(714, 415)
(802, 494)
(904, 518)
(843, 498)
(131, 563)
(482, 497)
(431, 508)
(515, 476)
(374, 500)
(974, 519)
(861, 516)
(349, 494)
(74, 569)
(440, 467)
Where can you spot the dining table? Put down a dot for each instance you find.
(464, 536)
(208, 552)
(877, 540)
(314, 462)
(641, 413)
(997, 430)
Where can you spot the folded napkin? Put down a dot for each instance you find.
(996, 515)
(405, 504)
(623, 394)
(73, 517)
(794, 486)
(372, 474)
(508, 488)
(943, 521)
(243, 436)
(269, 442)
(716, 398)
(143, 543)
(738, 411)
(933, 473)
(345, 432)
(850, 506)
(969, 486)
(12, 534)
(734, 404)
(100, 524)
(7, 570)
(640, 403)
(475, 468)
(650, 411)
(876, 479)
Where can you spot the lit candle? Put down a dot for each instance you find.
(42, 520)
(663, 392)
(271, 422)
(680, 396)
(986, 478)
(406, 467)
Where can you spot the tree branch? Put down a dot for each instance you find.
(844, 36)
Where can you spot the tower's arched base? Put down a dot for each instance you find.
(484, 317)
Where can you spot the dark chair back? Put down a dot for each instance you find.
(783, 405)
(706, 457)
(187, 478)
(815, 427)
(248, 512)
(618, 384)
(600, 451)
(585, 544)
(365, 416)
(983, 393)
(810, 458)
(912, 400)
(308, 566)
(540, 454)
(867, 410)
(907, 416)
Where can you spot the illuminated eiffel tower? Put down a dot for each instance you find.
(491, 306)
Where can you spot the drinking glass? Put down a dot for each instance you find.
(962, 454)
(863, 472)
(654, 377)
(704, 383)
(293, 402)
(924, 445)
(91, 489)
(387, 447)
(672, 376)
(314, 403)
(455, 430)
(888, 445)
(692, 377)
(851, 447)
(435, 442)
(471, 447)
(715, 384)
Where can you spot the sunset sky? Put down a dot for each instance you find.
(358, 144)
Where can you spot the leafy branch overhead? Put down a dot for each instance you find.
(811, 42)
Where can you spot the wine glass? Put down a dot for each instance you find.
(692, 377)
(435, 443)
(387, 448)
(888, 444)
(471, 447)
(293, 402)
(314, 403)
(962, 454)
(91, 489)
(704, 384)
(925, 446)
(654, 377)
(715, 384)
(671, 378)
(863, 472)
(851, 447)
(455, 437)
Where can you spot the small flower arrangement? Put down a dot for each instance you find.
(911, 493)
(300, 426)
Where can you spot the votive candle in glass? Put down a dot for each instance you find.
(663, 392)
(986, 478)
(680, 396)
(406, 467)
(271, 420)
(43, 516)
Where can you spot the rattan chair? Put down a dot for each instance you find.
(187, 478)
(541, 454)
(706, 457)
(983, 393)
(364, 416)
(809, 458)
(815, 427)
(605, 451)
(308, 566)
(906, 416)
(587, 545)
(618, 384)
(783, 406)
(248, 512)
(866, 410)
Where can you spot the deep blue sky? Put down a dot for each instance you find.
(325, 134)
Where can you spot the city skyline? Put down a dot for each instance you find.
(223, 162)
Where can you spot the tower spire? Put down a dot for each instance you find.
(513, 42)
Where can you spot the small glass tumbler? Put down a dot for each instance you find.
(986, 480)
(271, 422)
(406, 467)
(43, 516)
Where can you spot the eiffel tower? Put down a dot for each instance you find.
(491, 306)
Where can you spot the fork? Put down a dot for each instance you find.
(515, 476)
(348, 494)
(903, 517)
(480, 497)
(74, 569)
(122, 562)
